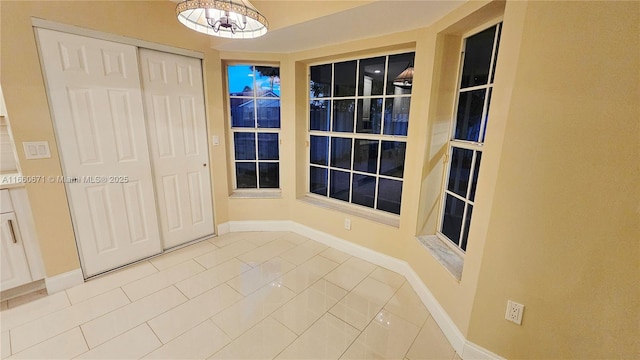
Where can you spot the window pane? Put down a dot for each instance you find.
(392, 158)
(477, 58)
(318, 180)
(242, 112)
(246, 175)
(320, 85)
(339, 188)
(364, 190)
(369, 116)
(397, 65)
(476, 171)
(371, 77)
(365, 157)
(396, 116)
(341, 153)
(319, 150)
(267, 146)
(469, 116)
(452, 222)
(460, 171)
(320, 115)
(343, 114)
(467, 223)
(244, 145)
(267, 81)
(389, 195)
(495, 56)
(344, 78)
(240, 79)
(269, 113)
(269, 175)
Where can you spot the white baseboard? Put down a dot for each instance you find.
(448, 327)
(461, 345)
(260, 225)
(223, 229)
(475, 352)
(64, 281)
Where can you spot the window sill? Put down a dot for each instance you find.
(256, 194)
(451, 260)
(389, 220)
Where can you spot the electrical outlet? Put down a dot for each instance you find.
(514, 312)
(347, 224)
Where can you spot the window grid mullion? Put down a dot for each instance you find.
(473, 88)
(485, 115)
(468, 145)
(378, 167)
(355, 103)
(464, 223)
(471, 173)
(459, 197)
(366, 136)
(329, 167)
(257, 161)
(384, 93)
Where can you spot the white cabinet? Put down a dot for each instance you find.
(13, 259)
(15, 268)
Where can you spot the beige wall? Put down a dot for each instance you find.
(565, 221)
(26, 99)
(556, 218)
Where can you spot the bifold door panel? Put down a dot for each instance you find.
(174, 100)
(97, 105)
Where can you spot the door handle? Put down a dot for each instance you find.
(13, 232)
(205, 164)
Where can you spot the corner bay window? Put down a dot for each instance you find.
(468, 134)
(254, 97)
(358, 121)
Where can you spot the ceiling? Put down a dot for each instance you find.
(296, 25)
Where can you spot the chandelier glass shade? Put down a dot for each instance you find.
(235, 19)
(405, 78)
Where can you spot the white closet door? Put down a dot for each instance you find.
(174, 99)
(94, 89)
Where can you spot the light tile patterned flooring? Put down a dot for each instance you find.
(248, 295)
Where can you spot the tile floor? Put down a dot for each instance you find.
(249, 295)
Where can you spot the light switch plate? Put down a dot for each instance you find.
(36, 150)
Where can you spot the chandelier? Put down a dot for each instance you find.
(235, 19)
(405, 78)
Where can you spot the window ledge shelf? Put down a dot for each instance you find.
(262, 194)
(446, 256)
(379, 218)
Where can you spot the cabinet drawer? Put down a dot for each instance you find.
(5, 202)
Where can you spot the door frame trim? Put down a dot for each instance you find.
(76, 30)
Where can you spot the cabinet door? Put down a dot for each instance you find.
(15, 269)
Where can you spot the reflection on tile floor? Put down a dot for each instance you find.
(247, 295)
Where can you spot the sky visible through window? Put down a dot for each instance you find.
(241, 79)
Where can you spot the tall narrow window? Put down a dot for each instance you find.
(358, 121)
(468, 134)
(254, 96)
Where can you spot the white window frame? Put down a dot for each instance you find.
(252, 130)
(354, 135)
(476, 147)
